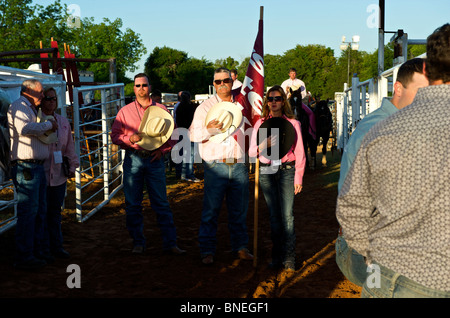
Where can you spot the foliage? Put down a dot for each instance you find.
(24, 25)
(171, 70)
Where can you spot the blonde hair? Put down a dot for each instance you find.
(286, 110)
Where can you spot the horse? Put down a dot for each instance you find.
(324, 125)
(307, 120)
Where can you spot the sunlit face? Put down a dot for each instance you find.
(141, 87)
(35, 94)
(409, 92)
(49, 102)
(275, 102)
(224, 83)
(292, 75)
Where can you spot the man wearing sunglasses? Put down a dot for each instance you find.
(226, 174)
(143, 168)
(28, 154)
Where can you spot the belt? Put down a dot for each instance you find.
(284, 165)
(144, 154)
(228, 161)
(35, 161)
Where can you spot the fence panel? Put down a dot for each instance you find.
(100, 169)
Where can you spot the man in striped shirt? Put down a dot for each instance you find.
(27, 160)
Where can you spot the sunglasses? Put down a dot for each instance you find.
(50, 98)
(226, 81)
(139, 85)
(276, 99)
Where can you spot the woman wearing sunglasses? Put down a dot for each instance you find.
(280, 178)
(61, 164)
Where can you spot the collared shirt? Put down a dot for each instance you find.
(209, 150)
(24, 131)
(127, 123)
(289, 82)
(54, 171)
(394, 204)
(296, 153)
(363, 127)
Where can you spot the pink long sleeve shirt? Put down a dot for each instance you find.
(127, 123)
(54, 171)
(296, 153)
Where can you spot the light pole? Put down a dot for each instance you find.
(354, 44)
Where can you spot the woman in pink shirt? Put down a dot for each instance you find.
(280, 180)
(60, 151)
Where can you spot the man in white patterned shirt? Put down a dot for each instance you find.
(28, 153)
(397, 214)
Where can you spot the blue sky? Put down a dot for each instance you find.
(214, 29)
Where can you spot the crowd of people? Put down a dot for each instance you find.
(392, 202)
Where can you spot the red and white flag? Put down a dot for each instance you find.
(252, 91)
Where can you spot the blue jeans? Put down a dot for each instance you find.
(55, 200)
(231, 182)
(350, 262)
(138, 172)
(187, 166)
(278, 190)
(30, 184)
(394, 285)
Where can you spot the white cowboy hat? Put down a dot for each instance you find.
(156, 128)
(229, 114)
(49, 136)
(296, 87)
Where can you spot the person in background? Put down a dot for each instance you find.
(156, 96)
(60, 165)
(236, 82)
(392, 205)
(293, 81)
(185, 114)
(28, 154)
(284, 180)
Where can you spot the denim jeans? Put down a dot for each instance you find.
(55, 200)
(350, 262)
(187, 166)
(230, 182)
(138, 172)
(30, 184)
(390, 284)
(278, 190)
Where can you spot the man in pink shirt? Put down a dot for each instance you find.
(142, 167)
(226, 175)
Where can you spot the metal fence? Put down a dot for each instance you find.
(361, 99)
(100, 172)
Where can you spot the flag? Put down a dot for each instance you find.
(252, 90)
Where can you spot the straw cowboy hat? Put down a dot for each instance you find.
(229, 114)
(283, 129)
(156, 128)
(49, 136)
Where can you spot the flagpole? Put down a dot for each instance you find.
(256, 206)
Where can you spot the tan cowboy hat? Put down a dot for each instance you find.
(156, 128)
(227, 113)
(49, 136)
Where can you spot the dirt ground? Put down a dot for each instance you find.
(101, 248)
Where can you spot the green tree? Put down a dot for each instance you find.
(171, 71)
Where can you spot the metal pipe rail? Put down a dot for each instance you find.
(100, 159)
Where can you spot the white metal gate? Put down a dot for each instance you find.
(100, 161)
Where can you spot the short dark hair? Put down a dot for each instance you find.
(438, 54)
(141, 75)
(292, 70)
(407, 70)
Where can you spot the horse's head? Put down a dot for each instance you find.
(296, 93)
